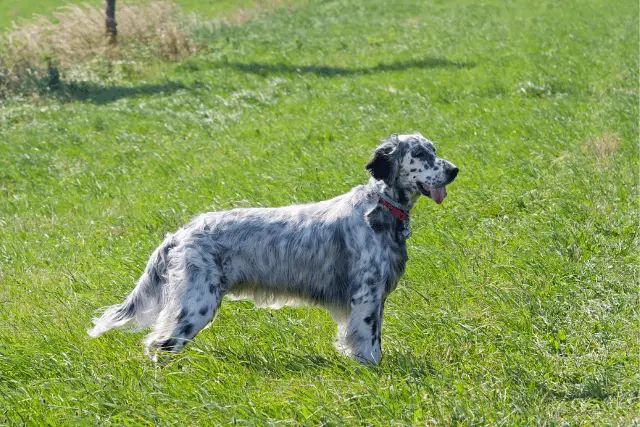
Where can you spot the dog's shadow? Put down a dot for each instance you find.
(281, 363)
(265, 69)
(103, 94)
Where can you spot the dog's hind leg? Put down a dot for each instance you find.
(195, 290)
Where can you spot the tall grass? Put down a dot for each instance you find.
(75, 34)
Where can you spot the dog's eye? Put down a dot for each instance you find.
(423, 153)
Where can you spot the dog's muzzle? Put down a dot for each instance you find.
(437, 194)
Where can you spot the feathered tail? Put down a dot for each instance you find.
(142, 306)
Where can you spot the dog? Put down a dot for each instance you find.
(345, 255)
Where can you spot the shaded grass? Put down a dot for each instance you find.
(101, 94)
(265, 69)
(520, 302)
(46, 53)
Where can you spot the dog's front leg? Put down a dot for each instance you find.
(360, 337)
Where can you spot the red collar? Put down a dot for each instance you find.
(397, 213)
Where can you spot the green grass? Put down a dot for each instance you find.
(520, 302)
(12, 11)
(15, 11)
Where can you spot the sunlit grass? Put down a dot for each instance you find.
(520, 302)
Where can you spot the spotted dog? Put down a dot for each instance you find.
(345, 254)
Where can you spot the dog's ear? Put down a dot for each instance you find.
(384, 164)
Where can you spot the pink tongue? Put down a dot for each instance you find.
(438, 194)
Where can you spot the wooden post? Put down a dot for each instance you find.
(110, 13)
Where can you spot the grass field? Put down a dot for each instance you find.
(12, 11)
(520, 302)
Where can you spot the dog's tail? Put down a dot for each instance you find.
(142, 306)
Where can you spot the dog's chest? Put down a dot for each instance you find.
(397, 256)
(391, 243)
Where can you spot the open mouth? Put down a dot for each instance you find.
(436, 193)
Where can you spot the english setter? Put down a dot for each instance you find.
(345, 254)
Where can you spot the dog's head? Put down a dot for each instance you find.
(410, 163)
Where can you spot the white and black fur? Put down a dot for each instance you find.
(345, 254)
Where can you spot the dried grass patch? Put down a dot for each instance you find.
(603, 147)
(76, 34)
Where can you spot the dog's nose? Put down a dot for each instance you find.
(453, 173)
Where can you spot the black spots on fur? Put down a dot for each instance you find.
(374, 270)
(412, 162)
(374, 326)
(380, 167)
(431, 160)
(186, 329)
(317, 294)
(158, 269)
(376, 322)
(127, 311)
(412, 170)
(340, 253)
(212, 288)
(403, 197)
(377, 224)
(168, 247)
(384, 163)
(167, 345)
(183, 314)
(209, 278)
(371, 282)
(226, 263)
(368, 319)
(378, 221)
(203, 311)
(423, 154)
(155, 276)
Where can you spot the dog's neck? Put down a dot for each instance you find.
(394, 202)
(402, 197)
